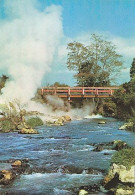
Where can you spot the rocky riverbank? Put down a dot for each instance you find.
(64, 157)
(120, 178)
(17, 167)
(58, 121)
(130, 126)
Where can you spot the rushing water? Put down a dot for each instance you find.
(58, 147)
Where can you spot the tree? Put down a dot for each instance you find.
(3, 80)
(124, 98)
(132, 69)
(57, 84)
(95, 64)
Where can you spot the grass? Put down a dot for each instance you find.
(124, 157)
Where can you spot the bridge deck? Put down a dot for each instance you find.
(79, 92)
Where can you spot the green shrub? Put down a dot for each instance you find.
(109, 107)
(34, 122)
(6, 126)
(124, 157)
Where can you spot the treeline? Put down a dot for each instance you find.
(124, 98)
(95, 64)
(98, 64)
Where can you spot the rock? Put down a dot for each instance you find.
(7, 177)
(28, 131)
(99, 148)
(106, 153)
(22, 125)
(127, 126)
(16, 163)
(66, 118)
(56, 122)
(124, 175)
(102, 122)
(59, 122)
(83, 192)
(124, 192)
(118, 145)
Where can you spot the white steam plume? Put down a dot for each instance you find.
(29, 38)
(29, 41)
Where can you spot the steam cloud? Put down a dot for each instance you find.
(29, 38)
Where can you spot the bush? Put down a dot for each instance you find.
(124, 157)
(109, 108)
(34, 122)
(6, 126)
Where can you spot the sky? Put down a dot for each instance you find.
(72, 20)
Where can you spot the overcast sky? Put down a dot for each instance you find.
(77, 19)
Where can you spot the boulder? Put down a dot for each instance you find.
(28, 131)
(127, 126)
(99, 148)
(124, 192)
(6, 177)
(102, 122)
(59, 122)
(83, 192)
(17, 163)
(22, 125)
(124, 175)
(56, 122)
(118, 145)
(66, 118)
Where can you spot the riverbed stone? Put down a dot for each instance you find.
(6, 177)
(28, 131)
(119, 145)
(124, 192)
(127, 126)
(98, 148)
(59, 122)
(83, 192)
(22, 125)
(16, 163)
(119, 173)
(102, 122)
(66, 118)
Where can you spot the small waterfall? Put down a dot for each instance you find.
(85, 171)
(60, 169)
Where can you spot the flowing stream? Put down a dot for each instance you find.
(61, 157)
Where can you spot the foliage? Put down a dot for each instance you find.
(132, 69)
(109, 108)
(34, 122)
(14, 112)
(57, 84)
(6, 126)
(96, 64)
(3, 80)
(124, 98)
(124, 157)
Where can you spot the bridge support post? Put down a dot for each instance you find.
(111, 92)
(42, 91)
(69, 94)
(83, 91)
(96, 92)
(55, 91)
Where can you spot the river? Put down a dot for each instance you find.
(60, 157)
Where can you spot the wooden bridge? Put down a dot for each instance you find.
(79, 92)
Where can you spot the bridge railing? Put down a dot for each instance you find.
(76, 92)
